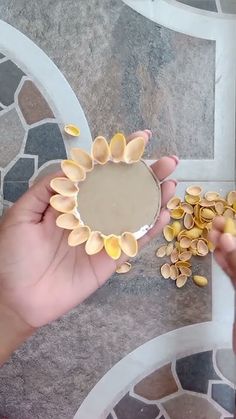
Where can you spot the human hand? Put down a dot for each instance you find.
(41, 277)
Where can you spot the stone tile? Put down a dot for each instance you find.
(11, 136)
(47, 142)
(209, 5)
(131, 408)
(189, 406)
(10, 76)
(1, 56)
(228, 6)
(224, 395)
(13, 190)
(1, 108)
(157, 385)
(195, 371)
(109, 416)
(226, 363)
(32, 104)
(51, 168)
(23, 169)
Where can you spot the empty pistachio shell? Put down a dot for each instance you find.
(169, 249)
(228, 213)
(196, 210)
(181, 263)
(205, 233)
(188, 221)
(192, 199)
(181, 280)
(62, 203)
(82, 158)
(134, 150)
(168, 233)
(194, 243)
(67, 221)
(100, 150)
(176, 226)
(117, 147)
(199, 224)
(205, 203)
(129, 244)
(73, 171)
(78, 236)
(186, 255)
(202, 248)
(201, 281)
(63, 186)
(185, 242)
(112, 246)
(234, 206)
(230, 226)
(174, 257)
(72, 130)
(173, 203)
(161, 251)
(194, 233)
(94, 243)
(174, 272)
(181, 234)
(207, 214)
(185, 270)
(231, 197)
(177, 213)
(188, 208)
(219, 207)
(165, 270)
(194, 190)
(212, 196)
(124, 268)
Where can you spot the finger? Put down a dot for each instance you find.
(221, 259)
(164, 167)
(219, 224)
(227, 243)
(146, 135)
(167, 191)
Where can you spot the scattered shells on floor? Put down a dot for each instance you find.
(202, 248)
(194, 190)
(176, 226)
(67, 221)
(194, 233)
(129, 244)
(63, 186)
(207, 214)
(231, 197)
(173, 272)
(185, 256)
(82, 158)
(185, 270)
(78, 236)
(73, 171)
(62, 203)
(94, 243)
(201, 281)
(134, 150)
(165, 271)
(188, 208)
(161, 251)
(212, 196)
(100, 150)
(169, 248)
(219, 207)
(181, 280)
(185, 242)
(177, 213)
(168, 233)
(188, 221)
(174, 257)
(124, 268)
(228, 213)
(112, 246)
(192, 199)
(181, 263)
(72, 130)
(230, 226)
(117, 147)
(173, 203)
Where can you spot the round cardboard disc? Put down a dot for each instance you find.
(119, 197)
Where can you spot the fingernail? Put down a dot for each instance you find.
(175, 158)
(173, 181)
(149, 133)
(228, 242)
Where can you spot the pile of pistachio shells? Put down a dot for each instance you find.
(187, 235)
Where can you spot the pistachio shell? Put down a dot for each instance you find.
(185, 270)
(219, 207)
(230, 226)
(174, 256)
(234, 206)
(176, 226)
(181, 280)
(72, 130)
(207, 214)
(173, 203)
(78, 236)
(62, 203)
(177, 213)
(186, 255)
(199, 224)
(174, 272)
(165, 270)
(194, 190)
(73, 171)
(201, 281)
(196, 210)
(94, 243)
(82, 158)
(205, 233)
(134, 150)
(67, 221)
(188, 221)
(124, 268)
(100, 150)
(169, 248)
(129, 244)
(117, 147)
(181, 263)
(161, 251)
(202, 248)
(194, 243)
(112, 246)
(185, 242)
(205, 203)
(63, 186)
(212, 196)
(194, 233)
(188, 208)
(228, 213)
(231, 197)
(168, 233)
(192, 199)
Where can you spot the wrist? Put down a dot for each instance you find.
(13, 332)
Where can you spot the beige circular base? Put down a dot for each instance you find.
(119, 197)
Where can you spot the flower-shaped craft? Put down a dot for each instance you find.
(108, 199)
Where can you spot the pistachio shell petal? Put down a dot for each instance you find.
(185, 270)
(168, 233)
(100, 150)
(63, 186)
(188, 221)
(212, 196)
(165, 270)
(194, 243)
(124, 268)
(174, 257)
(202, 248)
(205, 203)
(82, 158)
(230, 226)
(228, 213)
(94, 243)
(181, 280)
(129, 244)
(231, 197)
(174, 272)
(192, 199)
(117, 147)
(67, 221)
(181, 263)
(161, 251)
(134, 150)
(188, 208)
(177, 213)
(176, 226)
(73, 171)
(169, 248)
(194, 190)
(72, 130)
(185, 242)
(201, 281)
(62, 203)
(207, 214)
(112, 246)
(173, 203)
(185, 256)
(78, 236)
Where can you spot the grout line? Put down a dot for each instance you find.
(218, 6)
